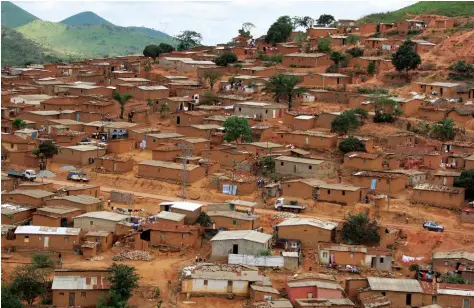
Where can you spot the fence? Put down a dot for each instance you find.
(271, 261)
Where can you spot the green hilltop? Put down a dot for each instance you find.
(444, 8)
(14, 16)
(85, 18)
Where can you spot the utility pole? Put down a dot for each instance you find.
(187, 152)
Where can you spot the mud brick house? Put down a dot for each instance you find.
(410, 24)
(245, 242)
(461, 147)
(8, 183)
(41, 117)
(99, 221)
(308, 287)
(363, 62)
(326, 303)
(302, 188)
(83, 89)
(79, 288)
(175, 104)
(231, 220)
(103, 239)
(342, 254)
(381, 182)
(409, 106)
(361, 160)
(303, 167)
(155, 140)
(441, 23)
(91, 190)
(80, 155)
(325, 119)
(114, 130)
(441, 89)
(401, 139)
(299, 122)
(449, 261)
(120, 146)
(339, 193)
(260, 71)
(189, 209)
(186, 118)
(321, 31)
(170, 218)
(198, 144)
(33, 99)
(15, 214)
(461, 115)
(70, 124)
(310, 139)
(63, 102)
(467, 215)
(301, 228)
(199, 131)
(46, 238)
(444, 177)
(457, 295)
(439, 160)
(301, 59)
(13, 143)
(422, 46)
(86, 203)
(227, 157)
(375, 42)
(259, 292)
(325, 80)
(260, 110)
(368, 28)
(145, 93)
(400, 292)
(443, 196)
(155, 169)
(221, 279)
(432, 113)
(166, 152)
(98, 107)
(140, 134)
(34, 198)
(260, 148)
(133, 80)
(232, 99)
(115, 164)
(36, 185)
(469, 162)
(176, 236)
(57, 216)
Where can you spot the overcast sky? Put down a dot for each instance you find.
(217, 21)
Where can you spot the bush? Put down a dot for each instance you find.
(265, 252)
(352, 144)
(414, 267)
(360, 230)
(414, 32)
(452, 279)
(382, 117)
(461, 70)
(355, 52)
(324, 45)
(42, 260)
(333, 68)
(157, 292)
(345, 122)
(362, 112)
(268, 164)
(372, 91)
(466, 180)
(226, 58)
(371, 68)
(293, 66)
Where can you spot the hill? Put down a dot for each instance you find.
(90, 40)
(444, 8)
(14, 16)
(85, 18)
(18, 51)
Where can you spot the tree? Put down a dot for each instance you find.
(305, 22)
(466, 180)
(364, 114)
(44, 151)
(123, 279)
(338, 58)
(359, 229)
(462, 70)
(280, 30)
(345, 122)
(226, 58)
(245, 30)
(212, 76)
(42, 260)
(10, 299)
(324, 45)
(283, 86)
(371, 67)
(204, 220)
(166, 48)
(122, 100)
(406, 58)
(152, 51)
(164, 110)
(444, 129)
(352, 39)
(209, 98)
(268, 163)
(188, 39)
(28, 283)
(326, 20)
(19, 123)
(352, 144)
(237, 128)
(355, 52)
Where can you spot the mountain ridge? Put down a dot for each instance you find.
(85, 18)
(14, 16)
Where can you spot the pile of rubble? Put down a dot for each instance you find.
(284, 215)
(136, 255)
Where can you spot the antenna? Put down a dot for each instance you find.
(187, 152)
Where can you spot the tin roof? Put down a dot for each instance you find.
(8, 209)
(242, 203)
(79, 283)
(318, 223)
(57, 210)
(342, 247)
(97, 233)
(47, 230)
(315, 283)
(440, 188)
(180, 205)
(322, 302)
(457, 292)
(362, 155)
(167, 165)
(207, 126)
(83, 199)
(454, 255)
(378, 174)
(132, 79)
(152, 88)
(111, 216)
(232, 214)
(248, 235)
(299, 160)
(37, 193)
(6, 228)
(194, 139)
(165, 135)
(266, 145)
(170, 216)
(265, 289)
(305, 55)
(395, 285)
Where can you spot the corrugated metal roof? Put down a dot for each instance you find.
(79, 283)
(186, 206)
(248, 235)
(83, 199)
(38, 193)
(6, 228)
(47, 230)
(396, 285)
(305, 55)
(97, 233)
(300, 160)
(165, 135)
(291, 254)
(456, 292)
(167, 165)
(170, 216)
(207, 126)
(242, 203)
(112, 216)
(232, 214)
(265, 289)
(318, 223)
(454, 255)
(8, 208)
(315, 283)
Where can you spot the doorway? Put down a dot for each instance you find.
(373, 262)
(63, 221)
(235, 249)
(46, 242)
(167, 208)
(408, 301)
(230, 284)
(72, 299)
(178, 120)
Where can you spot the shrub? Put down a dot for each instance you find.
(372, 91)
(381, 117)
(352, 144)
(157, 292)
(362, 112)
(359, 229)
(355, 52)
(42, 260)
(452, 279)
(226, 58)
(324, 45)
(265, 252)
(371, 68)
(414, 267)
(345, 122)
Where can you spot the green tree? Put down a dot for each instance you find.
(45, 151)
(371, 67)
(355, 52)
(9, 298)
(462, 70)
(352, 144)
(360, 230)
(123, 279)
(284, 86)
(164, 110)
(305, 21)
(237, 128)
(444, 129)
(280, 30)
(28, 283)
(466, 180)
(352, 39)
(166, 48)
(338, 58)
(209, 98)
(268, 163)
(204, 220)
(346, 122)
(364, 114)
(212, 76)
(19, 123)
(453, 278)
(188, 39)
(42, 260)
(245, 30)
(122, 100)
(264, 253)
(324, 45)
(152, 51)
(226, 58)
(406, 58)
(326, 19)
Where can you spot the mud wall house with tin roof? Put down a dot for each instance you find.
(79, 288)
(16, 214)
(162, 170)
(326, 303)
(56, 216)
(444, 177)
(34, 198)
(451, 261)
(260, 148)
(83, 89)
(363, 161)
(186, 118)
(461, 115)
(36, 186)
(176, 236)
(443, 196)
(86, 203)
(367, 141)
(170, 219)
(311, 139)
(442, 89)
(301, 59)
(246, 242)
(457, 295)
(340, 193)
(139, 134)
(144, 92)
(227, 157)
(46, 238)
(458, 147)
(166, 152)
(99, 221)
(260, 110)
(155, 140)
(342, 254)
(91, 190)
(13, 143)
(300, 228)
(381, 182)
(80, 155)
(258, 292)
(318, 286)
(321, 31)
(102, 239)
(303, 167)
(206, 131)
(325, 80)
(197, 144)
(115, 164)
(232, 220)
(134, 81)
(191, 210)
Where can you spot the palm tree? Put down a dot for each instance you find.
(283, 86)
(122, 100)
(444, 129)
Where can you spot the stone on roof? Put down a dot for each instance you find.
(440, 188)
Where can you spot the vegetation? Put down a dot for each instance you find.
(444, 129)
(466, 180)
(164, 110)
(371, 68)
(44, 151)
(283, 86)
(86, 18)
(382, 117)
(123, 280)
(304, 21)
(188, 39)
(237, 128)
(204, 220)
(212, 76)
(339, 59)
(209, 98)
(378, 91)
(324, 45)
(268, 163)
(406, 58)
(13, 16)
(152, 51)
(245, 30)
(462, 70)
(166, 48)
(122, 99)
(19, 123)
(28, 283)
(270, 59)
(226, 58)
(264, 253)
(326, 20)
(42, 260)
(345, 123)
(9, 298)
(352, 144)
(364, 114)
(360, 230)
(280, 30)
(355, 52)
(452, 279)
(352, 39)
